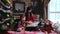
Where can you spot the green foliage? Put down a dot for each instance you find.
(5, 17)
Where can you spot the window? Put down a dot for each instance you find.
(54, 11)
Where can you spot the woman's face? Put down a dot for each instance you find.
(30, 10)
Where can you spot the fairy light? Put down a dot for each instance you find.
(7, 15)
(8, 24)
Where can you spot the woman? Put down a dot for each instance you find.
(30, 18)
(29, 15)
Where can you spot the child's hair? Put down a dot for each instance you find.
(48, 21)
(22, 24)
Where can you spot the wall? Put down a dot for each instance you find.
(39, 10)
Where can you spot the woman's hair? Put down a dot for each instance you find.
(27, 11)
(29, 8)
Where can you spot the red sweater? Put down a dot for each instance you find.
(32, 18)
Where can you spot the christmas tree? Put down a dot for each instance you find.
(5, 16)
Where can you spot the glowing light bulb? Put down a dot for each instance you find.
(8, 24)
(7, 15)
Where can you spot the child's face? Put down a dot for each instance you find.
(47, 22)
(24, 18)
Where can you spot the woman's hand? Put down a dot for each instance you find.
(30, 22)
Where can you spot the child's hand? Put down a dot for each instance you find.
(46, 32)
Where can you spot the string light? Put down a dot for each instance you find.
(7, 15)
(8, 24)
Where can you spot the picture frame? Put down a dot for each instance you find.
(18, 7)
